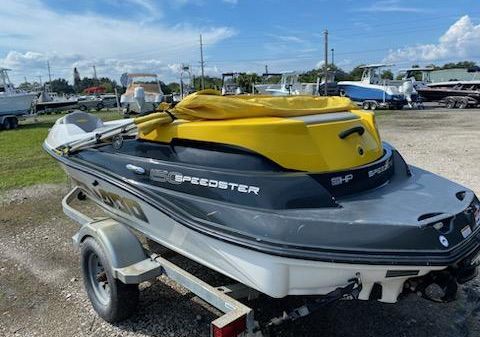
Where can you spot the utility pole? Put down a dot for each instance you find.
(49, 73)
(266, 69)
(25, 78)
(94, 72)
(325, 65)
(333, 55)
(202, 64)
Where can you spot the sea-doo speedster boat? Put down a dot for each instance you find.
(288, 195)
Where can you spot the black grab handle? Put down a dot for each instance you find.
(356, 129)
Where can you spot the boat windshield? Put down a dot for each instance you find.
(149, 82)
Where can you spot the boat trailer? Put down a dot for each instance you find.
(131, 264)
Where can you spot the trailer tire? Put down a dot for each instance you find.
(6, 124)
(450, 103)
(83, 107)
(14, 123)
(463, 103)
(99, 106)
(113, 300)
(365, 105)
(373, 106)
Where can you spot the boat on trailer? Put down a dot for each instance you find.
(372, 91)
(14, 103)
(293, 195)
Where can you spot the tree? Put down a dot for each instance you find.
(311, 76)
(246, 81)
(173, 87)
(210, 83)
(356, 73)
(463, 64)
(26, 86)
(387, 75)
(61, 86)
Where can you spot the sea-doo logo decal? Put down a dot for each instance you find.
(380, 169)
(341, 179)
(177, 178)
(113, 200)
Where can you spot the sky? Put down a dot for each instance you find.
(239, 35)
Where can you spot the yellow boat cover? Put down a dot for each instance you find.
(276, 127)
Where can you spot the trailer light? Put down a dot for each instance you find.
(438, 226)
(232, 329)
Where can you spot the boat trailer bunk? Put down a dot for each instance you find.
(127, 263)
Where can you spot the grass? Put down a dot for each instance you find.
(23, 162)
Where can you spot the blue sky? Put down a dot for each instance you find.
(240, 35)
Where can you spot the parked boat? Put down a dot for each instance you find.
(289, 85)
(50, 102)
(143, 94)
(372, 91)
(454, 94)
(12, 100)
(230, 84)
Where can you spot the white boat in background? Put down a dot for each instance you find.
(372, 91)
(13, 101)
(50, 101)
(143, 94)
(288, 85)
(230, 84)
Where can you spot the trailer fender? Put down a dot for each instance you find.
(128, 260)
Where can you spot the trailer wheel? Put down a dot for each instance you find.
(113, 300)
(6, 124)
(463, 103)
(14, 123)
(450, 103)
(365, 105)
(99, 106)
(373, 106)
(83, 107)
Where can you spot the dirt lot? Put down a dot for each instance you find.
(41, 292)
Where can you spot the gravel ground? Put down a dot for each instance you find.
(41, 292)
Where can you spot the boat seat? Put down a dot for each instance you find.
(85, 121)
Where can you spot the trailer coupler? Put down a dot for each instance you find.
(349, 292)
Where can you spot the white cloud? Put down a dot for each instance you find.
(287, 38)
(148, 5)
(32, 33)
(390, 6)
(233, 2)
(461, 40)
